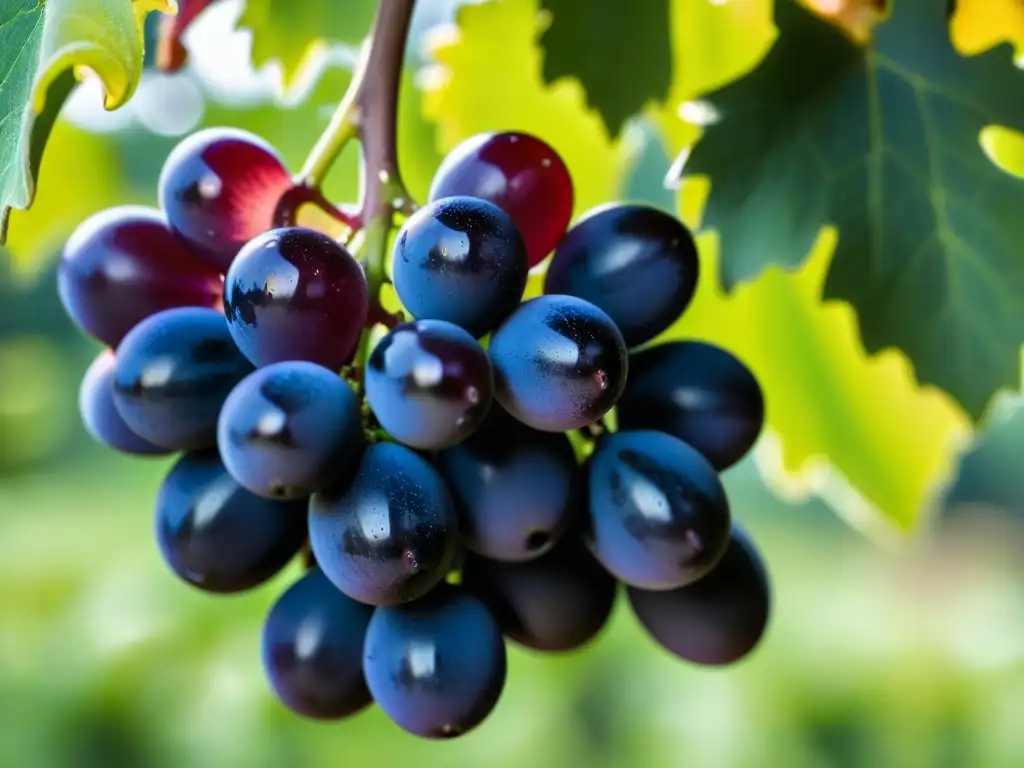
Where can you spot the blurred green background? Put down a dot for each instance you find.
(902, 653)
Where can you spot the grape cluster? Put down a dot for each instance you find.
(487, 469)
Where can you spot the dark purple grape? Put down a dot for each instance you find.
(659, 518)
(698, 392)
(387, 535)
(516, 490)
(124, 264)
(463, 260)
(313, 649)
(172, 375)
(559, 363)
(558, 602)
(99, 414)
(635, 262)
(290, 429)
(436, 666)
(220, 188)
(296, 294)
(217, 536)
(520, 174)
(717, 620)
(429, 384)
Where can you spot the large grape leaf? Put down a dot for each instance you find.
(41, 43)
(293, 32)
(467, 93)
(620, 52)
(881, 141)
(856, 430)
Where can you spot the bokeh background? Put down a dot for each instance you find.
(883, 650)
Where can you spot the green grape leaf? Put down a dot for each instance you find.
(597, 42)
(881, 141)
(42, 42)
(291, 32)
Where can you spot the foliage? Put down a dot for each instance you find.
(846, 268)
(41, 44)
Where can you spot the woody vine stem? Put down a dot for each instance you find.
(368, 113)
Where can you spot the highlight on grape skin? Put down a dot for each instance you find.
(295, 294)
(429, 384)
(389, 534)
(463, 260)
(460, 470)
(287, 429)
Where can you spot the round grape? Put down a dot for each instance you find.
(559, 363)
(429, 384)
(99, 414)
(698, 392)
(717, 620)
(295, 294)
(313, 649)
(558, 602)
(289, 429)
(462, 260)
(387, 535)
(220, 188)
(520, 174)
(217, 536)
(173, 373)
(436, 666)
(516, 490)
(659, 518)
(635, 262)
(123, 265)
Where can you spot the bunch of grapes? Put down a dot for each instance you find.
(474, 470)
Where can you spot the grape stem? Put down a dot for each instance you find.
(368, 112)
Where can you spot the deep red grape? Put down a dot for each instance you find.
(296, 294)
(220, 188)
(520, 174)
(124, 264)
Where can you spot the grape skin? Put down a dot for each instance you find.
(436, 666)
(124, 264)
(659, 518)
(462, 260)
(559, 363)
(295, 294)
(516, 489)
(520, 174)
(698, 392)
(388, 535)
(429, 383)
(173, 373)
(717, 620)
(635, 262)
(558, 602)
(217, 536)
(289, 429)
(312, 646)
(220, 188)
(99, 414)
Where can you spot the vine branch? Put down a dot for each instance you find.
(368, 112)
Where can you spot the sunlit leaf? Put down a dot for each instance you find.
(294, 32)
(856, 429)
(978, 25)
(41, 44)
